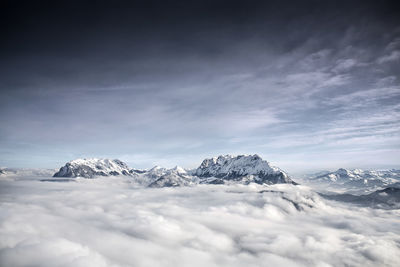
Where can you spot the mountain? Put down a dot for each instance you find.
(356, 179)
(344, 175)
(384, 198)
(89, 168)
(243, 169)
(173, 177)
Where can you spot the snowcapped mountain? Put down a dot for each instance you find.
(242, 168)
(357, 179)
(344, 175)
(173, 177)
(90, 168)
(156, 172)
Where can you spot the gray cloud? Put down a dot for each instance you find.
(393, 56)
(183, 87)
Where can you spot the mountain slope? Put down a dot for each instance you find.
(242, 168)
(89, 168)
(357, 179)
(173, 177)
(344, 175)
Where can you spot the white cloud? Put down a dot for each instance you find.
(109, 222)
(313, 82)
(393, 56)
(364, 97)
(344, 64)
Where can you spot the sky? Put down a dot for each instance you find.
(307, 85)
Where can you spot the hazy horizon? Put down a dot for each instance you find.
(288, 167)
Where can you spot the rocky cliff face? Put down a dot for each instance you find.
(355, 180)
(89, 168)
(242, 168)
(357, 177)
(174, 177)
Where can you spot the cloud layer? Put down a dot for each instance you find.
(110, 222)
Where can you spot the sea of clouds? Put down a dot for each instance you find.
(112, 222)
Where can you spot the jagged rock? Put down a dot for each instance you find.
(357, 178)
(90, 168)
(173, 177)
(223, 169)
(242, 168)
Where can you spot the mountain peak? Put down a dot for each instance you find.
(178, 169)
(224, 168)
(91, 167)
(228, 167)
(357, 179)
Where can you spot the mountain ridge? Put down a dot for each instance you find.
(243, 169)
(91, 167)
(355, 179)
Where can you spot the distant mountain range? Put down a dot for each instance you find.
(375, 188)
(384, 198)
(356, 179)
(242, 169)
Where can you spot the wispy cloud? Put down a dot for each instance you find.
(393, 56)
(204, 94)
(363, 98)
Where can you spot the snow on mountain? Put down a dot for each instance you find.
(156, 172)
(357, 179)
(343, 175)
(242, 168)
(92, 167)
(219, 170)
(138, 171)
(173, 177)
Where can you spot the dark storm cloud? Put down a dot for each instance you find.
(181, 80)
